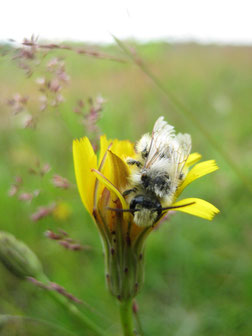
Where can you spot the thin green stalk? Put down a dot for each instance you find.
(73, 310)
(138, 324)
(179, 106)
(126, 317)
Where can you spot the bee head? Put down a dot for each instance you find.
(147, 210)
(147, 202)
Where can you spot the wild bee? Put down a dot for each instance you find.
(156, 172)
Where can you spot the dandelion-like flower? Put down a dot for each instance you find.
(129, 189)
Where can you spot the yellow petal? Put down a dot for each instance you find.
(84, 160)
(118, 171)
(114, 167)
(99, 187)
(113, 175)
(104, 144)
(111, 187)
(192, 159)
(123, 148)
(111, 166)
(199, 208)
(199, 170)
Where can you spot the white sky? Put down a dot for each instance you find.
(228, 21)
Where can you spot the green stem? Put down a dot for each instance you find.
(126, 317)
(138, 324)
(73, 310)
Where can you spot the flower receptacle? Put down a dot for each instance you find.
(124, 270)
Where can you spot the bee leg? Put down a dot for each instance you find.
(129, 191)
(132, 162)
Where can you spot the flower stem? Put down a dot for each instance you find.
(126, 317)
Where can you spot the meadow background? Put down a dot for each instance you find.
(198, 278)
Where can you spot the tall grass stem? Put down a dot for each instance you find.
(179, 106)
(74, 311)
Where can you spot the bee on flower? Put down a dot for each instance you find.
(128, 191)
(160, 170)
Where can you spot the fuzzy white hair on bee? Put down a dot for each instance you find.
(143, 145)
(145, 217)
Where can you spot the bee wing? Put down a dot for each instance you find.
(162, 136)
(168, 151)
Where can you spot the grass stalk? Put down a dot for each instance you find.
(178, 105)
(74, 311)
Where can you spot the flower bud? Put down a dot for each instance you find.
(18, 258)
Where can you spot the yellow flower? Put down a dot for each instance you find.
(101, 183)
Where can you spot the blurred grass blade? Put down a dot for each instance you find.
(11, 325)
(72, 309)
(179, 106)
(79, 51)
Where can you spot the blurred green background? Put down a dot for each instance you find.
(198, 278)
